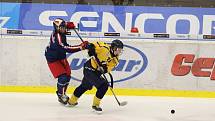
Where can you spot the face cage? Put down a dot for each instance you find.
(62, 29)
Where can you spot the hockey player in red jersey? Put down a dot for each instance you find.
(55, 54)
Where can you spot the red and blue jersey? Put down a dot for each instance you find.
(58, 47)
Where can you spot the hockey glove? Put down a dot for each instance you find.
(84, 45)
(70, 25)
(103, 68)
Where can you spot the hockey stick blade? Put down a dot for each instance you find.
(123, 103)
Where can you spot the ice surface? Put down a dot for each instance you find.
(44, 107)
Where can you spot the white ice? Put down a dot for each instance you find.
(44, 107)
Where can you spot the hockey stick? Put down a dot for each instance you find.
(120, 103)
(78, 35)
(123, 103)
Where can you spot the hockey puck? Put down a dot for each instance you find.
(172, 111)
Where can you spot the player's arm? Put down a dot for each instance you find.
(68, 48)
(103, 56)
(112, 63)
(75, 48)
(97, 59)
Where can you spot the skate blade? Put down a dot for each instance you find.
(97, 112)
(71, 105)
(68, 105)
(61, 103)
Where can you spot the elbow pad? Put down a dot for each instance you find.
(91, 49)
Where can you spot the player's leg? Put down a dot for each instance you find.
(59, 72)
(85, 84)
(66, 86)
(81, 89)
(61, 85)
(94, 78)
(102, 87)
(68, 73)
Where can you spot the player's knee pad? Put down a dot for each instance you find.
(102, 90)
(63, 80)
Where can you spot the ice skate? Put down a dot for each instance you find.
(69, 104)
(97, 109)
(63, 99)
(72, 101)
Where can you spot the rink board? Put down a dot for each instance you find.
(145, 67)
(118, 91)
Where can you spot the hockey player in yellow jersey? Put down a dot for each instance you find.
(104, 58)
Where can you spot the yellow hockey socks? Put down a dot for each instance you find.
(73, 100)
(96, 101)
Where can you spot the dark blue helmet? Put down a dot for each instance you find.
(117, 44)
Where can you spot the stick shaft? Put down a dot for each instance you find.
(112, 90)
(78, 35)
(114, 95)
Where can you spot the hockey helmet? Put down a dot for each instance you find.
(59, 23)
(117, 44)
(117, 47)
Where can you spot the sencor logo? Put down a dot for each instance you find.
(171, 22)
(132, 63)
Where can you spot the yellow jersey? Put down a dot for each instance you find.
(104, 56)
